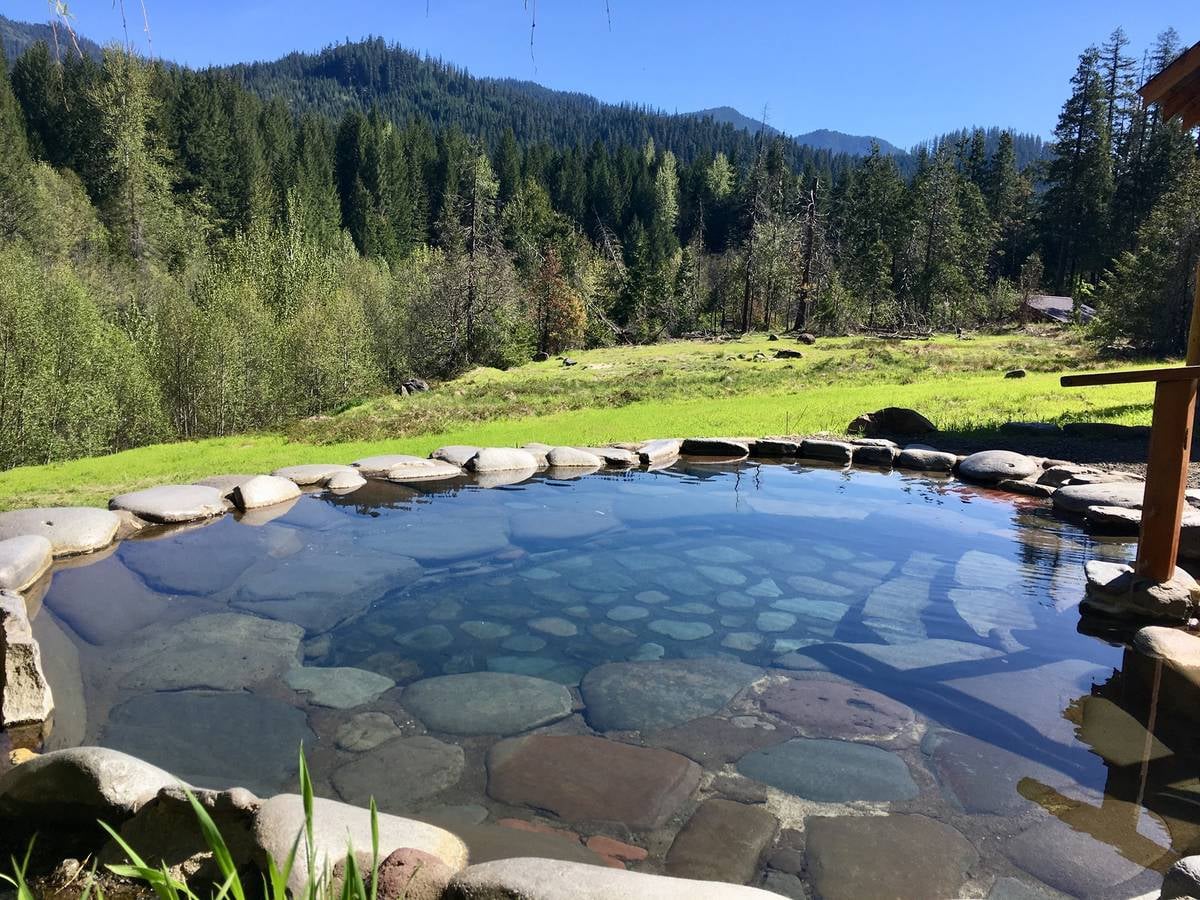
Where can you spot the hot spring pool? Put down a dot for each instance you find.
(686, 660)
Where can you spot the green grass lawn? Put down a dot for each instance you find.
(630, 393)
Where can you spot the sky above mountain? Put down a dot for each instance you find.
(902, 71)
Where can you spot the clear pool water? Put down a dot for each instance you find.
(821, 645)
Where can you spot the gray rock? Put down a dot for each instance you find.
(992, 611)
(456, 454)
(774, 621)
(220, 651)
(882, 456)
(1025, 486)
(897, 420)
(1182, 879)
(314, 474)
(982, 777)
(831, 771)
(212, 739)
(75, 787)
(894, 610)
(722, 841)
(715, 447)
(339, 687)
(336, 825)
(263, 490)
(399, 772)
(1179, 650)
(1114, 589)
(1078, 498)
(547, 879)
(224, 483)
(502, 459)
(773, 447)
(380, 466)
(903, 657)
(1015, 889)
(713, 741)
(1119, 519)
(649, 695)
(923, 460)
(344, 482)
(417, 470)
(659, 451)
(366, 731)
(555, 626)
(572, 457)
(837, 451)
(172, 503)
(70, 529)
(910, 857)
(483, 630)
(991, 466)
(487, 703)
(681, 631)
(1070, 860)
(834, 709)
(427, 637)
(614, 457)
(23, 560)
(25, 696)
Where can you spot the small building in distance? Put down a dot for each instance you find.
(1048, 308)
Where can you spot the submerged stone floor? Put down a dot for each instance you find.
(746, 674)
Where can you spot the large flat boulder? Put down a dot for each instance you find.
(572, 458)
(502, 459)
(723, 447)
(456, 454)
(399, 772)
(313, 474)
(923, 460)
(338, 687)
(722, 841)
(1078, 498)
(982, 777)
(25, 697)
(645, 696)
(337, 826)
(105, 602)
(834, 451)
(834, 709)
(23, 560)
(1178, 649)
(69, 529)
(1075, 862)
(262, 491)
(220, 651)
(548, 879)
(169, 503)
(993, 466)
(659, 450)
(831, 771)
(898, 420)
(585, 779)
(77, 786)
(894, 857)
(487, 703)
(213, 739)
(1115, 589)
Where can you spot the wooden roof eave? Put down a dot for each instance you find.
(1176, 89)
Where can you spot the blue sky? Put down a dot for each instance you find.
(901, 70)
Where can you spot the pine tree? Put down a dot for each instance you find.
(16, 195)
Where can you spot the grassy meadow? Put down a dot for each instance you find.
(678, 388)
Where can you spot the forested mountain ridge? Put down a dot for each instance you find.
(181, 257)
(16, 37)
(821, 138)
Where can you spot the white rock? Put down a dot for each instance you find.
(659, 450)
(172, 503)
(70, 529)
(314, 473)
(263, 490)
(25, 697)
(345, 482)
(23, 560)
(502, 459)
(570, 457)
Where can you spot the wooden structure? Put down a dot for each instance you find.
(1176, 90)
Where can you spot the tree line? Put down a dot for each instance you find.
(180, 257)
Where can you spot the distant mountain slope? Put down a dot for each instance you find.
(821, 138)
(17, 36)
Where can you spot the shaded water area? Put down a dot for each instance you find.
(833, 665)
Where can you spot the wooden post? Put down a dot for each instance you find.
(1193, 348)
(1166, 478)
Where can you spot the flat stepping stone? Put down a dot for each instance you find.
(1074, 862)
(313, 474)
(399, 772)
(366, 731)
(834, 451)
(221, 651)
(691, 608)
(418, 470)
(719, 554)
(487, 702)
(614, 457)
(1078, 498)
(585, 779)
(172, 503)
(921, 460)
(627, 613)
(658, 451)
(722, 841)
(831, 771)
(502, 459)
(992, 466)
(822, 709)
(687, 583)
(380, 466)
(261, 491)
(455, 454)
(23, 560)
(982, 777)
(572, 457)
(613, 635)
(128, 604)
(524, 643)
(723, 447)
(988, 611)
(745, 641)
(651, 695)
(713, 741)
(681, 631)
(722, 575)
(338, 687)
(71, 530)
(555, 626)
(912, 857)
(647, 652)
(774, 621)
(211, 739)
(818, 587)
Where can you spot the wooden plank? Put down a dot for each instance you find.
(1166, 479)
(1184, 64)
(1133, 376)
(1193, 348)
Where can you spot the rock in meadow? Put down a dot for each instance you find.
(648, 695)
(168, 503)
(281, 819)
(344, 482)
(77, 786)
(23, 560)
(992, 466)
(581, 778)
(549, 879)
(909, 857)
(70, 530)
(25, 696)
(487, 703)
(896, 420)
(399, 772)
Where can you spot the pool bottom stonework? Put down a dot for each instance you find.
(800, 677)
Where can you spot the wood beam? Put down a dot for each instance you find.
(1166, 478)
(1154, 89)
(1135, 376)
